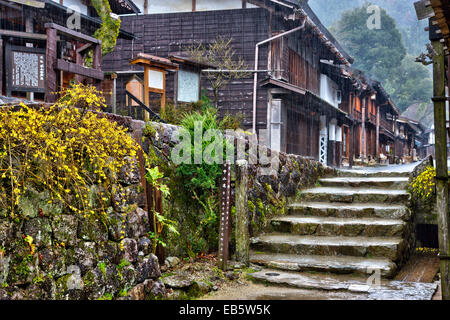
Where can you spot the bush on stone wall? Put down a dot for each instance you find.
(71, 218)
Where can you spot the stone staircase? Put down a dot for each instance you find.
(352, 224)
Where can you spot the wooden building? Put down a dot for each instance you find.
(299, 83)
(27, 59)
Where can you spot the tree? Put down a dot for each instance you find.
(381, 54)
(221, 55)
(410, 83)
(376, 51)
(402, 11)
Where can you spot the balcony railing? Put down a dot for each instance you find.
(387, 125)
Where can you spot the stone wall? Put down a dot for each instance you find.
(72, 257)
(269, 190)
(423, 211)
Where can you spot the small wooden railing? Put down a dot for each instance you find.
(137, 111)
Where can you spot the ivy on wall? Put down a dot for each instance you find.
(109, 30)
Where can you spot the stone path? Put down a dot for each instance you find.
(352, 224)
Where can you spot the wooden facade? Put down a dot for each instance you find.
(26, 26)
(292, 84)
(308, 99)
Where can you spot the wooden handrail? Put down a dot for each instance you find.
(153, 114)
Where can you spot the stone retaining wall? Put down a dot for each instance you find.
(79, 258)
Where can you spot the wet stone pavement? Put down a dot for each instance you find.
(345, 239)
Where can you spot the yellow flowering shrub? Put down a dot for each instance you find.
(72, 153)
(423, 186)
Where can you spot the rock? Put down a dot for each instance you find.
(137, 292)
(94, 285)
(40, 230)
(33, 204)
(137, 223)
(172, 262)
(145, 245)
(148, 269)
(231, 275)
(130, 250)
(91, 229)
(65, 229)
(115, 226)
(18, 295)
(69, 288)
(4, 295)
(85, 256)
(127, 276)
(6, 231)
(199, 288)
(4, 269)
(123, 198)
(129, 173)
(109, 251)
(178, 281)
(158, 289)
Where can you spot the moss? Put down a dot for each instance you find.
(251, 206)
(106, 296)
(102, 267)
(123, 293)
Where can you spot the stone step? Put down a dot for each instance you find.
(352, 210)
(330, 226)
(335, 264)
(354, 195)
(371, 172)
(384, 290)
(387, 247)
(399, 183)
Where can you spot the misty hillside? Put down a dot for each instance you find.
(408, 82)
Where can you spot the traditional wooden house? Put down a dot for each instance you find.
(295, 87)
(40, 41)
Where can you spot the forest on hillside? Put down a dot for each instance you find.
(386, 54)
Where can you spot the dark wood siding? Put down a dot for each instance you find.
(172, 34)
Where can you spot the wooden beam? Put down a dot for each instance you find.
(441, 165)
(26, 35)
(73, 34)
(79, 70)
(85, 47)
(51, 55)
(194, 5)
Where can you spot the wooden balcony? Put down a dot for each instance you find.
(387, 125)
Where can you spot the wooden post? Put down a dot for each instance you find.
(97, 62)
(242, 232)
(351, 150)
(1, 66)
(363, 129)
(224, 228)
(51, 87)
(377, 138)
(441, 166)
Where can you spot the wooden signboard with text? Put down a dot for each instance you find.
(25, 69)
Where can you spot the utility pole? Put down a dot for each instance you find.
(439, 100)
